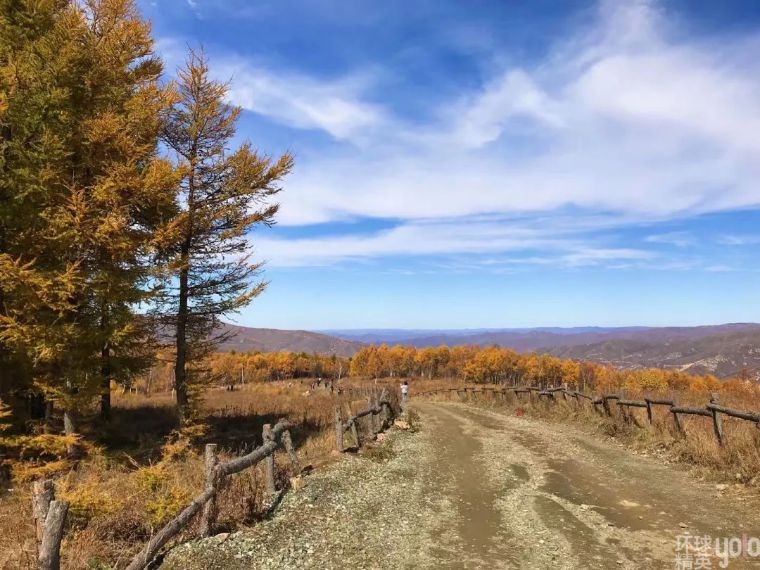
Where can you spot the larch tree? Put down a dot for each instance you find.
(34, 46)
(83, 109)
(125, 191)
(224, 194)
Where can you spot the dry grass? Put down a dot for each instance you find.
(141, 475)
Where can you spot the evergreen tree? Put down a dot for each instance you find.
(223, 195)
(36, 44)
(82, 110)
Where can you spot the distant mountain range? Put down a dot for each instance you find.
(246, 339)
(722, 350)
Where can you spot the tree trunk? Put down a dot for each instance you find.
(70, 428)
(49, 410)
(50, 549)
(105, 384)
(180, 374)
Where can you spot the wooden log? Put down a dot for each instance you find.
(691, 411)
(632, 403)
(210, 511)
(43, 494)
(287, 443)
(355, 434)
(753, 417)
(251, 459)
(717, 421)
(50, 547)
(158, 540)
(338, 431)
(381, 401)
(266, 434)
(676, 421)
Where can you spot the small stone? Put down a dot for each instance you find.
(683, 525)
(721, 487)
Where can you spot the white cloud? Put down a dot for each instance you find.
(631, 117)
(739, 239)
(627, 117)
(561, 244)
(482, 118)
(303, 102)
(335, 106)
(678, 239)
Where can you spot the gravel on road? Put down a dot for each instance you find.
(479, 489)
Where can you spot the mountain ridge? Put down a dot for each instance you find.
(723, 350)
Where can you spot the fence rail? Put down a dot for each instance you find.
(712, 410)
(50, 515)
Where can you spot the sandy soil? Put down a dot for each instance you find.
(477, 489)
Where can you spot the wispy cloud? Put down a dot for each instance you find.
(739, 239)
(629, 116)
(294, 99)
(677, 239)
(299, 101)
(529, 242)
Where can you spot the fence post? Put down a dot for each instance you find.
(649, 411)
(677, 422)
(383, 409)
(43, 494)
(266, 434)
(50, 548)
(288, 443)
(717, 420)
(338, 431)
(376, 419)
(355, 434)
(371, 407)
(606, 406)
(208, 522)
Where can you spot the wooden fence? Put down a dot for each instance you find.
(50, 515)
(380, 411)
(602, 404)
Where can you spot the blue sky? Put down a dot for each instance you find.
(496, 163)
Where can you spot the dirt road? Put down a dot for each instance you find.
(477, 489)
